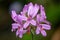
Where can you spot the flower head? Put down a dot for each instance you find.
(18, 26)
(30, 16)
(42, 23)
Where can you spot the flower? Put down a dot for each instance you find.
(40, 26)
(29, 16)
(18, 26)
(43, 15)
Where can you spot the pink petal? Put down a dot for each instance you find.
(21, 17)
(42, 11)
(33, 22)
(41, 19)
(35, 10)
(24, 31)
(38, 18)
(37, 30)
(47, 22)
(25, 9)
(14, 15)
(17, 33)
(43, 33)
(26, 24)
(15, 25)
(21, 34)
(30, 9)
(21, 29)
(45, 26)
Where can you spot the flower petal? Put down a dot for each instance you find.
(42, 12)
(25, 9)
(41, 19)
(35, 10)
(38, 18)
(33, 22)
(17, 33)
(26, 24)
(15, 26)
(30, 9)
(43, 33)
(45, 26)
(37, 30)
(14, 15)
(21, 17)
(21, 34)
(47, 22)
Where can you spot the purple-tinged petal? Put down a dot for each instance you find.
(33, 22)
(25, 9)
(37, 30)
(30, 9)
(26, 24)
(47, 22)
(43, 33)
(35, 10)
(41, 19)
(15, 26)
(21, 34)
(42, 12)
(21, 29)
(38, 18)
(17, 33)
(45, 26)
(14, 15)
(21, 17)
(24, 31)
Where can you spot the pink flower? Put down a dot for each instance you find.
(18, 26)
(28, 17)
(43, 15)
(42, 27)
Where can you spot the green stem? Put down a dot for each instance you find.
(32, 36)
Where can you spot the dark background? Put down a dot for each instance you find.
(52, 8)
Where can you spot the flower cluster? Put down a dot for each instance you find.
(31, 16)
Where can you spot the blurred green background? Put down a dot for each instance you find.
(52, 9)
